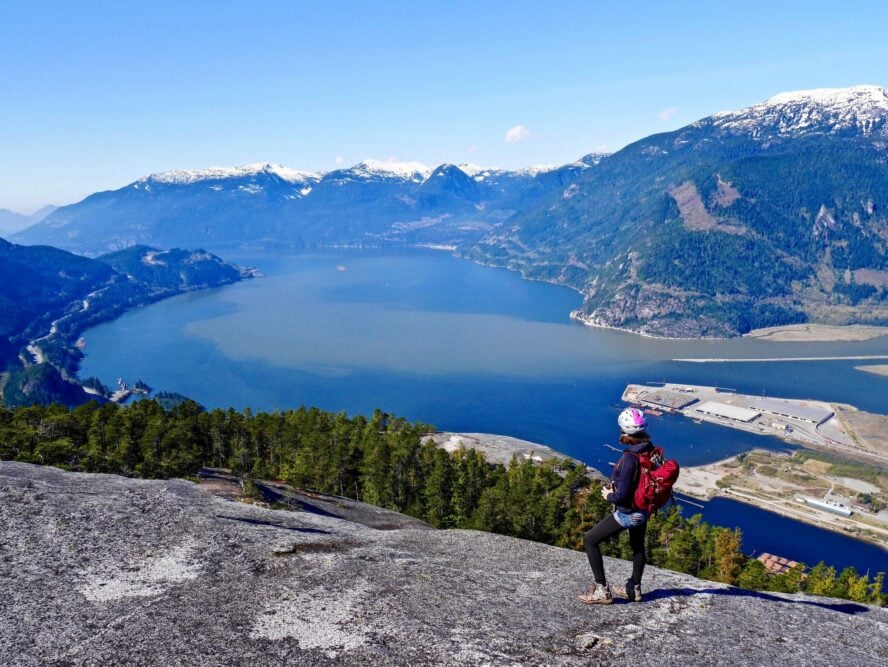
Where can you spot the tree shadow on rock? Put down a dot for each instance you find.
(841, 607)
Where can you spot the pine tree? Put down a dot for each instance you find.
(875, 592)
(821, 579)
(728, 557)
(753, 576)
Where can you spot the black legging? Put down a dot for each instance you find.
(608, 527)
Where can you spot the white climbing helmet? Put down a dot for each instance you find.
(632, 421)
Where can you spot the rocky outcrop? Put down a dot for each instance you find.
(99, 569)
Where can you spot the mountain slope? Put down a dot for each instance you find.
(48, 296)
(172, 574)
(37, 281)
(771, 215)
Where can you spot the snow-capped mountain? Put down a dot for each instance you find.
(770, 215)
(373, 201)
(189, 176)
(859, 109)
(415, 172)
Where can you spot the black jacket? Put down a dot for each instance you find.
(625, 478)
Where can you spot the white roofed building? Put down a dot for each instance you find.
(814, 413)
(736, 413)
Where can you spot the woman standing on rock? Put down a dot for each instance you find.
(620, 491)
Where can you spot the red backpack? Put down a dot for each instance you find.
(656, 476)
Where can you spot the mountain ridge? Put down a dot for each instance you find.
(774, 214)
(373, 202)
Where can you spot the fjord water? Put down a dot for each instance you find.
(461, 346)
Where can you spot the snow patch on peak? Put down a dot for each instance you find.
(536, 169)
(592, 159)
(188, 176)
(414, 171)
(292, 175)
(479, 173)
(834, 96)
(470, 169)
(818, 111)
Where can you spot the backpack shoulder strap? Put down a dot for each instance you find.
(636, 475)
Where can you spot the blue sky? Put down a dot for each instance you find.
(94, 95)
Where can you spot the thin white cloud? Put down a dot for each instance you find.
(473, 148)
(517, 133)
(339, 160)
(667, 113)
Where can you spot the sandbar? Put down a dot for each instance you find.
(875, 369)
(820, 333)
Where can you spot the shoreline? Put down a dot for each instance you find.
(823, 521)
(824, 333)
(70, 337)
(709, 481)
(772, 334)
(583, 319)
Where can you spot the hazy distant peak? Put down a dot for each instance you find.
(11, 222)
(41, 213)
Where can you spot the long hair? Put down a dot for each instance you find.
(635, 439)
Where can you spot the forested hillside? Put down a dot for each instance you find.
(48, 296)
(384, 460)
(771, 215)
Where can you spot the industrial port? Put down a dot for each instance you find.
(813, 424)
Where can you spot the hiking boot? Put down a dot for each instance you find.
(631, 591)
(597, 594)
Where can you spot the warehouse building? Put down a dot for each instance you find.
(669, 400)
(725, 411)
(813, 414)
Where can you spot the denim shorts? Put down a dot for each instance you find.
(631, 519)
